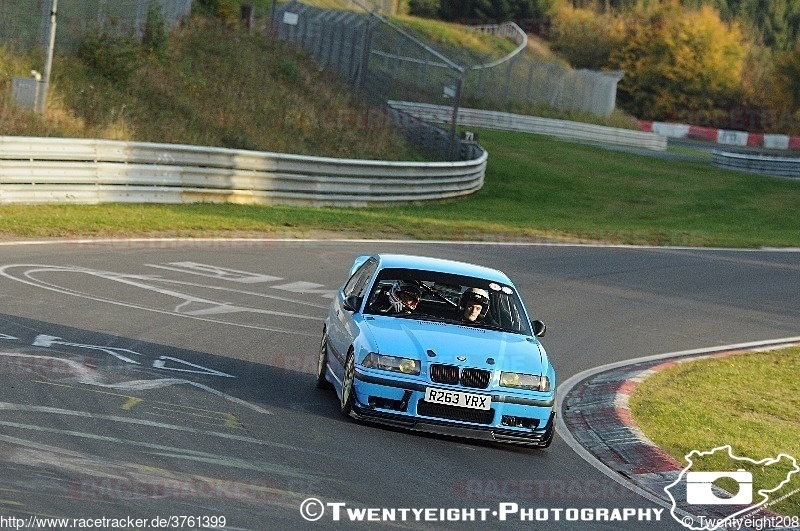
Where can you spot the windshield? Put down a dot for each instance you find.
(468, 301)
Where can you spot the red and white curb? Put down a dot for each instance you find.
(596, 421)
(721, 136)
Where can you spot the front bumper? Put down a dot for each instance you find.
(513, 419)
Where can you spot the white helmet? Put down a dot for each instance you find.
(477, 296)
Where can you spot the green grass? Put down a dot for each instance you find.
(749, 401)
(536, 188)
(456, 39)
(216, 86)
(212, 86)
(539, 187)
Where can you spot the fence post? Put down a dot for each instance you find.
(366, 48)
(273, 27)
(246, 13)
(141, 18)
(102, 11)
(454, 143)
(530, 83)
(353, 70)
(341, 65)
(41, 99)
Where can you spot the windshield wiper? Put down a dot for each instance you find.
(433, 319)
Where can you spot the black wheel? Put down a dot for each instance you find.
(346, 405)
(322, 363)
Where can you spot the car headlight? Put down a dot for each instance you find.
(518, 380)
(392, 363)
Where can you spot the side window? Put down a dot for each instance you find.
(358, 282)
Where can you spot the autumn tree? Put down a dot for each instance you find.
(678, 60)
(585, 39)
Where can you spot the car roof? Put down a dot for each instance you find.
(426, 263)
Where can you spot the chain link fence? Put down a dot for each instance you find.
(387, 61)
(24, 24)
(524, 82)
(383, 62)
(382, 59)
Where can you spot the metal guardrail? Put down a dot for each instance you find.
(534, 124)
(509, 30)
(757, 163)
(50, 170)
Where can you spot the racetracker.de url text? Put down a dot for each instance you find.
(158, 522)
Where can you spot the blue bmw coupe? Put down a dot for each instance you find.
(438, 346)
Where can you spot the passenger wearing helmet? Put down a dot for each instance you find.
(474, 304)
(401, 298)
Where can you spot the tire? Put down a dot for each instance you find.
(348, 382)
(322, 364)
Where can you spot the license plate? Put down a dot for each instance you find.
(457, 398)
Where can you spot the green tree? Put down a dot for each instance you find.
(225, 10)
(424, 8)
(787, 79)
(774, 23)
(676, 60)
(156, 33)
(466, 10)
(112, 54)
(769, 19)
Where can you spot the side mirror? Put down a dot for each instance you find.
(539, 328)
(352, 303)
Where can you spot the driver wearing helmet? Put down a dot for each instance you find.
(401, 298)
(474, 304)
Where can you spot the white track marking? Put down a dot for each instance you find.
(239, 291)
(160, 363)
(43, 340)
(8, 406)
(221, 273)
(307, 287)
(37, 268)
(87, 376)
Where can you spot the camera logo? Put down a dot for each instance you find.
(700, 491)
(701, 502)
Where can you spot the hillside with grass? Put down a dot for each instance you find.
(213, 83)
(690, 61)
(206, 84)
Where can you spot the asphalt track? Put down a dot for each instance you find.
(169, 378)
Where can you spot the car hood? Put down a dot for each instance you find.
(456, 344)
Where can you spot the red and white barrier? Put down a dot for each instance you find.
(721, 136)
